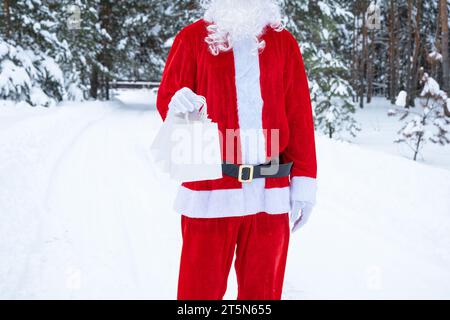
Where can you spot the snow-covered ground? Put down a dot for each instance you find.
(379, 130)
(85, 214)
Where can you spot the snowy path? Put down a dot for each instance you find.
(78, 216)
(84, 214)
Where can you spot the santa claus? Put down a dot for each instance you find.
(250, 71)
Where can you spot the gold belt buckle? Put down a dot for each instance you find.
(250, 174)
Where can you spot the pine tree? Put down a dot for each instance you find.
(31, 54)
(80, 28)
(178, 14)
(428, 123)
(139, 47)
(321, 28)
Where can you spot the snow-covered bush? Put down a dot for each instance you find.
(36, 64)
(28, 76)
(333, 108)
(428, 124)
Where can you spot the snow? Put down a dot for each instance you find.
(12, 77)
(169, 42)
(23, 75)
(431, 86)
(325, 8)
(413, 127)
(330, 114)
(85, 213)
(53, 70)
(3, 49)
(122, 44)
(74, 93)
(401, 99)
(436, 56)
(379, 130)
(38, 97)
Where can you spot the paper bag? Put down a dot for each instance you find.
(187, 147)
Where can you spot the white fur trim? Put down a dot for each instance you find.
(249, 102)
(252, 198)
(303, 189)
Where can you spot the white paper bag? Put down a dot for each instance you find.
(188, 147)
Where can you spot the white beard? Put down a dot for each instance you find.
(235, 20)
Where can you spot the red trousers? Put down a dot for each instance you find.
(209, 244)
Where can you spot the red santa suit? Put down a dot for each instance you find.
(266, 92)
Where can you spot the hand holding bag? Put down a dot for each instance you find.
(187, 147)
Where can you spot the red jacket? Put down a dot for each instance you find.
(284, 90)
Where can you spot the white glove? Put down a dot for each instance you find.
(300, 213)
(185, 100)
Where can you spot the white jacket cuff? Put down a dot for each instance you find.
(303, 189)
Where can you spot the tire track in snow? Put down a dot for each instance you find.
(106, 145)
(34, 263)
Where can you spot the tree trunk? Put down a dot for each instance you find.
(435, 70)
(420, 138)
(412, 94)
(409, 54)
(392, 53)
(397, 63)
(444, 44)
(107, 88)
(446, 110)
(93, 92)
(7, 10)
(370, 68)
(363, 62)
(416, 151)
(355, 55)
(105, 57)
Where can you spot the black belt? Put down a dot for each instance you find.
(246, 173)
